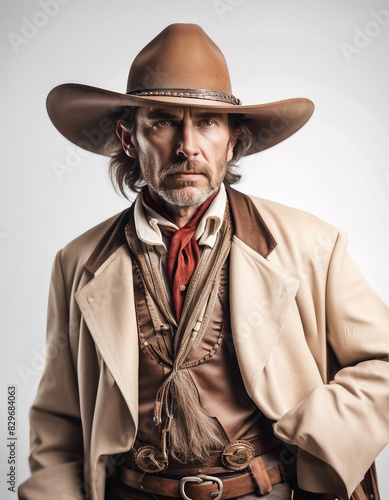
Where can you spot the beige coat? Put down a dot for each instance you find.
(297, 303)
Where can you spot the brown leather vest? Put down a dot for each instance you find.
(218, 380)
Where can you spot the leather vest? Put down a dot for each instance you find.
(218, 380)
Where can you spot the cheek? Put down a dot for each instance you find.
(228, 149)
(158, 153)
(230, 152)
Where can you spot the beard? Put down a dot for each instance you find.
(185, 193)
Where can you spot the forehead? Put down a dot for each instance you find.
(177, 113)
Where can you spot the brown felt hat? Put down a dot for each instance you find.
(181, 67)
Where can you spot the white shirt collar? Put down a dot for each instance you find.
(147, 220)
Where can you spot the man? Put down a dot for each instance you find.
(196, 360)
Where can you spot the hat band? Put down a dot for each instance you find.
(210, 95)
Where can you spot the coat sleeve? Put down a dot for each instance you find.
(56, 458)
(356, 402)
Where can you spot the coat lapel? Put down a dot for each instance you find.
(260, 297)
(107, 305)
(261, 293)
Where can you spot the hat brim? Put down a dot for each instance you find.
(87, 115)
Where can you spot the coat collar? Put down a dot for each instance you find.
(248, 224)
(109, 243)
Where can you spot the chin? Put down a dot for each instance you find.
(187, 196)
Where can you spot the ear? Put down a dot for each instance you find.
(127, 139)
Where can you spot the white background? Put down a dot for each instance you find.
(333, 51)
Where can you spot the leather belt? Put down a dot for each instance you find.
(235, 456)
(258, 479)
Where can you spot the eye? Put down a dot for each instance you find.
(208, 123)
(164, 123)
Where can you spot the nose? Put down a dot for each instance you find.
(187, 146)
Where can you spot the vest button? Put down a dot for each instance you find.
(182, 288)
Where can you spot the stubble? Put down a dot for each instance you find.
(186, 193)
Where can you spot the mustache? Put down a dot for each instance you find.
(179, 167)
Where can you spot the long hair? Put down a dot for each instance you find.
(125, 173)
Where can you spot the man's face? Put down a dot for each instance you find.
(183, 153)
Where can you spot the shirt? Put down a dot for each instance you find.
(149, 234)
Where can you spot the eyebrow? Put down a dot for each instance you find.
(156, 113)
(160, 113)
(207, 114)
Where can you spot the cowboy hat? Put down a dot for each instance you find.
(181, 67)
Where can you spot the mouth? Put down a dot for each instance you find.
(187, 176)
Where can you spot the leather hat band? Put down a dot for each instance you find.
(210, 95)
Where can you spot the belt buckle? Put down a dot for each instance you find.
(205, 481)
(237, 455)
(150, 459)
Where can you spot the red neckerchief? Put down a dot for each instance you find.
(184, 254)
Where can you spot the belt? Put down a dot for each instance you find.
(202, 487)
(235, 456)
